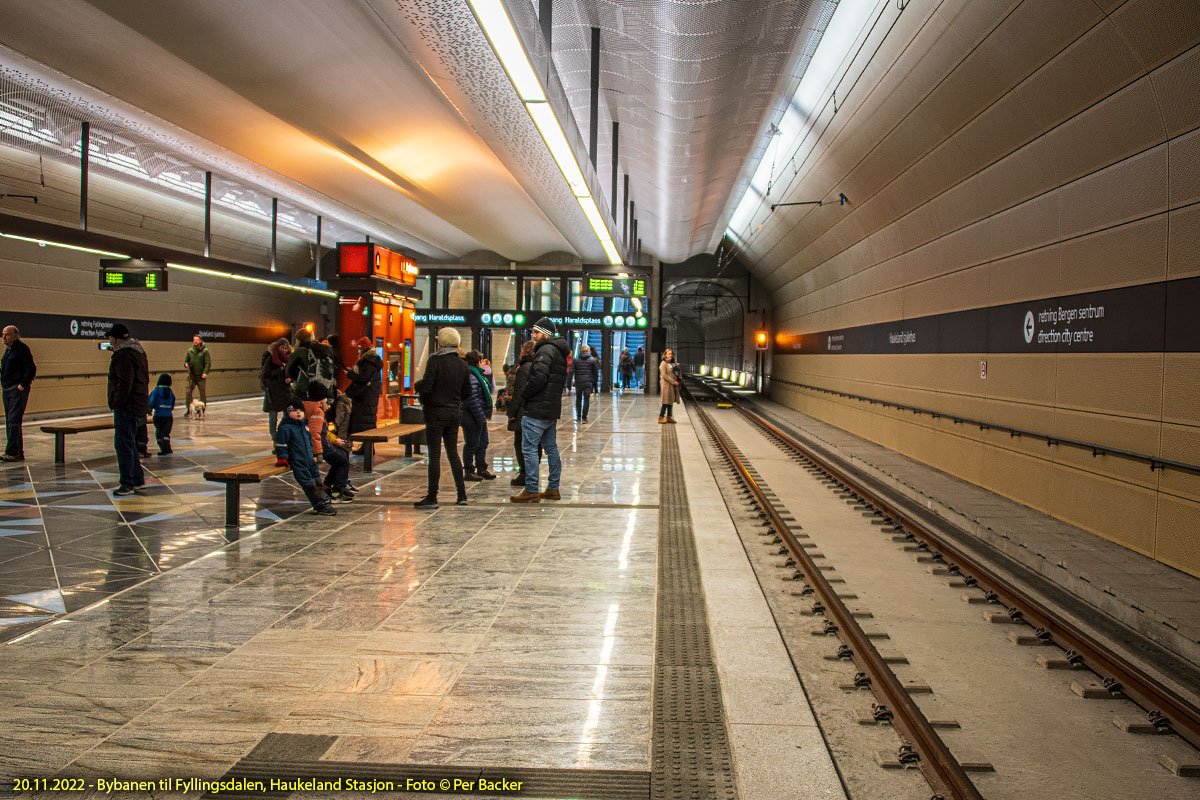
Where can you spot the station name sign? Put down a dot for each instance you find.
(522, 319)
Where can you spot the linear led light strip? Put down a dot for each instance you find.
(494, 20)
(185, 267)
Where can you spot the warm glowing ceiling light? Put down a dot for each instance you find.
(495, 23)
(547, 124)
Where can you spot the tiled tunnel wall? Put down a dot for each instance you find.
(997, 153)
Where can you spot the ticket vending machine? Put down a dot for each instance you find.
(376, 297)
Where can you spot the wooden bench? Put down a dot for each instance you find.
(61, 431)
(235, 475)
(403, 431)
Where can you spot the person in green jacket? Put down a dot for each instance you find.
(198, 362)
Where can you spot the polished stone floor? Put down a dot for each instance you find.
(145, 640)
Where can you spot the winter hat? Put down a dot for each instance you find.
(164, 379)
(448, 337)
(317, 393)
(363, 343)
(294, 405)
(546, 326)
(118, 331)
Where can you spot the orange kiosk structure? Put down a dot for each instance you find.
(376, 296)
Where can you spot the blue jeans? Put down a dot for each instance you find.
(640, 376)
(125, 431)
(540, 433)
(583, 401)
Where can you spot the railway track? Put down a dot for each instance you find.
(1166, 709)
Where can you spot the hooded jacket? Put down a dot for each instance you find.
(293, 442)
(198, 360)
(277, 393)
(541, 396)
(129, 379)
(366, 385)
(516, 403)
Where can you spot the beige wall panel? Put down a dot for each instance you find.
(969, 288)
(1183, 242)
(956, 208)
(1034, 33)
(1097, 64)
(1133, 188)
(969, 89)
(1177, 538)
(1116, 128)
(1128, 384)
(1181, 443)
(1021, 176)
(1133, 435)
(1181, 389)
(974, 21)
(1026, 276)
(1029, 225)
(1022, 377)
(1158, 29)
(1184, 167)
(1022, 416)
(1120, 256)
(1000, 130)
(1026, 479)
(1179, 92)
(959, 373)
(1117, 511)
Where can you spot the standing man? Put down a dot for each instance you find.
(198, 362)
(16, 376)
(541, 406)
(639, 367)
(443, 389)
(128, 397)
(587, 374)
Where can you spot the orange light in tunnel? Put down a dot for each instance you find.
(760, 340)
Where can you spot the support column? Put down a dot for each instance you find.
(318, 270)
(625, 228)
(274, 231)
(208, 214)
(85, 156)
(595, 125)
(546, 18)
(615, 143)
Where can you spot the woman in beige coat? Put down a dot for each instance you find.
(668, 376)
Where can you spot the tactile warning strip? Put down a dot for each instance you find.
(690, 755)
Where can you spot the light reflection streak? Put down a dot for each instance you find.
(587, 736)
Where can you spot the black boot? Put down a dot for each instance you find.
(426, 502)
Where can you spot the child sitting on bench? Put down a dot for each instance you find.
(293, 448)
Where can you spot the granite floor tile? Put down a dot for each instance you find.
(393, 675)
(562, 681)
(549, 719)
(506, 648)
(529, 752)
(404, 643)
(350, 714)
(370, 749)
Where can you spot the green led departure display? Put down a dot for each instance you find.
(133, 274)
(616, 287)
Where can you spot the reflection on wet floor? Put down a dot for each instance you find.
(485, 634)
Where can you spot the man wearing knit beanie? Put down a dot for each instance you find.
(541, 406)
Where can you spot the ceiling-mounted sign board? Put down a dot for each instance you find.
(133, 274)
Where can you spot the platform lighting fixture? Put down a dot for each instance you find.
(46, 243)
(262, 281)
(497, 26)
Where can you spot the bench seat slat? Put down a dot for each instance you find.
(79, 427)
(247, 472)
(386, 432)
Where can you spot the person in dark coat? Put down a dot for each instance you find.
(17, 372)
(443, 389)
(366, 385)
(477, 409)
(277, 392)
(129, 399)
(162, 409)
(520, 376)
(639, 368)
(625, 367)
(293, 448)
(541, 399)
(586, 371)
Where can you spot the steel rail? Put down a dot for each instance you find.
(1165, 707)
(943, 772)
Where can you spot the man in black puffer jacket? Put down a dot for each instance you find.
(541, 406)
(129, 399)
(587, 378)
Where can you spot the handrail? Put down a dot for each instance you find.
(63, 376)
(1097, 449)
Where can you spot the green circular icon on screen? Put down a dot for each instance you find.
(519, 319)
(641, 322)
(486, 319)
(608, 321)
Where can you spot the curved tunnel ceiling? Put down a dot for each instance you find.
(400, 111)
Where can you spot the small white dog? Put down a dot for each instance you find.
(197, 409)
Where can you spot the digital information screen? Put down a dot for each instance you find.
(133, 274)
(616, 287)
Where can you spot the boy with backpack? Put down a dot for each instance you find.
(162, 408)
(293, 448)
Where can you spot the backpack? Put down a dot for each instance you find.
(322, 370)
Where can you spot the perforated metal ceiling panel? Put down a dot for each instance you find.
(692, 84)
